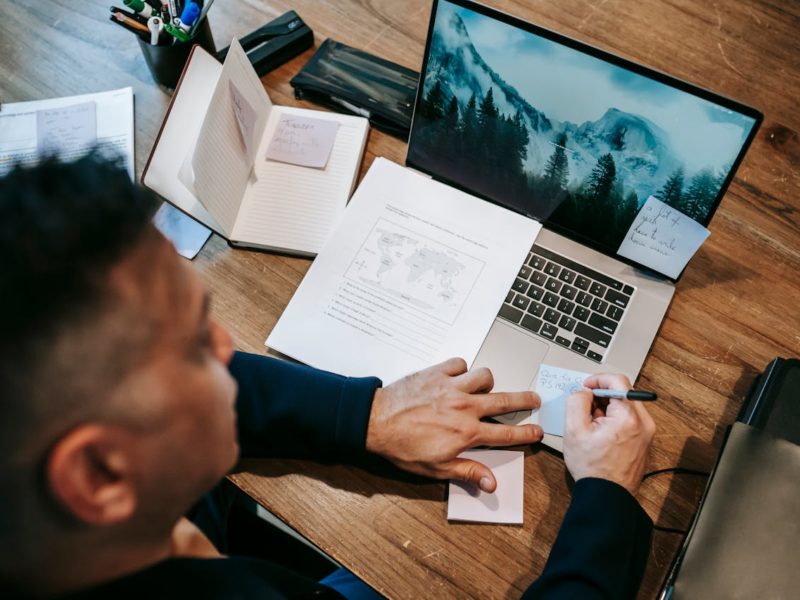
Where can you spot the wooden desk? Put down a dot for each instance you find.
(734, 310)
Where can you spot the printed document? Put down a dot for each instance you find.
(414, 274)
(68, 126)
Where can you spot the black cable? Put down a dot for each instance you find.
(670, 529)
(677, 471)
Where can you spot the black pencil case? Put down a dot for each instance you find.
(357, 82)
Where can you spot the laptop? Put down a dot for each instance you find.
(578, 139)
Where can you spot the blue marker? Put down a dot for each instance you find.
(189, 15)
(206, 5)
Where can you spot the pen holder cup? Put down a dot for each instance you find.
(166, 62)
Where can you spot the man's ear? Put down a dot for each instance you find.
(89, 472)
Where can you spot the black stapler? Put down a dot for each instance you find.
(276, 42)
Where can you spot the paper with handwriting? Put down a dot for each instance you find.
(68, 131)
(104, 119)
(554, 385)
(662, 238)
(466, 501)
(303, 141)
(245, 117)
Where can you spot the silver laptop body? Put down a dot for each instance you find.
(460, 91)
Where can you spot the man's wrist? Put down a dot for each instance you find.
(355, 410)
(611, 481)
(371, 443)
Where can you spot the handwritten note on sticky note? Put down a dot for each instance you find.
(68, 130)
(303, 141)
(554, 385)
(662, 238)
(466, 502)
(245, 117)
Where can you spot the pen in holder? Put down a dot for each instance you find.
(166, 62)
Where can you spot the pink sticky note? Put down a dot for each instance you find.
(245, 117)
(468, 503)
(303, 141)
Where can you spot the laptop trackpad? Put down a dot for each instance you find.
(514, 358)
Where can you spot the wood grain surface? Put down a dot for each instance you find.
(737, 306)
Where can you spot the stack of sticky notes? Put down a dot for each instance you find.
(467, 502)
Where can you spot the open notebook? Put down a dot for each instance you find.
(209, 160)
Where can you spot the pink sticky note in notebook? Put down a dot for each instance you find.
(467, 502)
(303, 141)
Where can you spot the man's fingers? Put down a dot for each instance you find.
(633, 410)
(644, 414)
(452, 366)
(579, 410)
(471, 471)
(608, 381)
(619, 407)
(476, 381)
(500, 403)
(494, 434)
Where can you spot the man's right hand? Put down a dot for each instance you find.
(422, 422)
(608, 443)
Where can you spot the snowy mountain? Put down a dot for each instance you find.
(640, 148)
(462, 72)
(642, 152)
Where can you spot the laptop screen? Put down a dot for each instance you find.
(566, 133)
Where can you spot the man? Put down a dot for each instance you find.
(120, 410)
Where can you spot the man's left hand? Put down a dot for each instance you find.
(424, 421)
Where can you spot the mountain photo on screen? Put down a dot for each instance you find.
(563, 136)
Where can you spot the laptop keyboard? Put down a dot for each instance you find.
(567, 302)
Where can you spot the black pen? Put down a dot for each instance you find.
(629, 394)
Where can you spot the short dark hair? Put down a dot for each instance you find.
(63, 225)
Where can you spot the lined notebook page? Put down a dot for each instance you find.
(295, 208)
(220, 164)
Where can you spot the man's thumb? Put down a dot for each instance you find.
(473, 472)
(579, 410)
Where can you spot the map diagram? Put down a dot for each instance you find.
(425, 274)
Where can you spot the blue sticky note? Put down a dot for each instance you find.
(186, 234)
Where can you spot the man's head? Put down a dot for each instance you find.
(117, 407)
